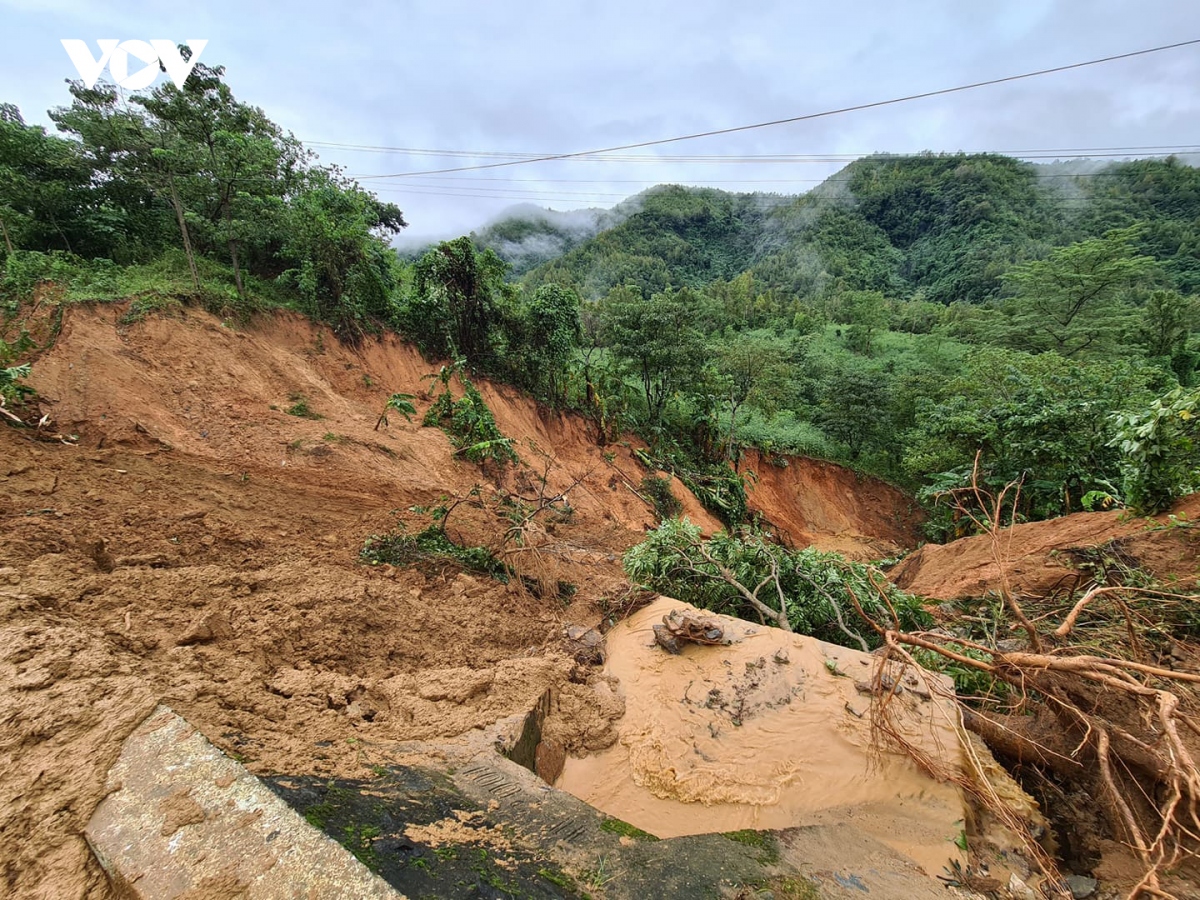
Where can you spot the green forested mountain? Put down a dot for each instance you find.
(908, 317)
(945, 228)
(525, 236)
(670, 236)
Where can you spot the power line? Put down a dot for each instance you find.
(814, 157)
(696, 182)
(803, 118)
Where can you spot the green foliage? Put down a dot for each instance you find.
(191, 169)
(1042, 419)
(457, 303)
(658, 341)
(469, 423)
(300, 408)
(1160, 450)
(854, 398)
(342, 270)
(815, 585)
(12, 391)
(1076, 301)
(670, 235)
(969, 682)
(398, 548)
(401, 403)
(666, 504)
(720, 490)
(866, 313)
(544, 340)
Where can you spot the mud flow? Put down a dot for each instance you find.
(197, 544)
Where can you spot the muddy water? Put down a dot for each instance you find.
(767, 732)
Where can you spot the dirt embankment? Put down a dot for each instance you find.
(199, 547)
(810, 501)
(1040, 557)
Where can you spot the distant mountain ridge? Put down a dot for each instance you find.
(944, 228)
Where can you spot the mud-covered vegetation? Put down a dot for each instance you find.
(747, 575)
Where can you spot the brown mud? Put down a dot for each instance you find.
(1040, 558)
(199, 546)
(769, 731)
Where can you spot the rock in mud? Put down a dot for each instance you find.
(584, 645)
(666, 640)
(183, 819)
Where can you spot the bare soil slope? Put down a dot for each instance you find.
(200, 547)
(1038, 556)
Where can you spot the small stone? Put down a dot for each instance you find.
(10, 575)
(1019, 889)
(1081, 886)
(211, 627)
(666, 640)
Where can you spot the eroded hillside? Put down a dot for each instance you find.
(199, 546)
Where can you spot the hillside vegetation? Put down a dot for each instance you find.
(909, 315)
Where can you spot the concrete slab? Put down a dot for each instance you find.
(185, 821)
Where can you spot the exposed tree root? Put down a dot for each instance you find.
(1124, 728)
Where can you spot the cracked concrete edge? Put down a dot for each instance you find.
(182, 820)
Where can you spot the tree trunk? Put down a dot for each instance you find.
(237, 269)
(233, 254)
(187, 240)
(7, 240)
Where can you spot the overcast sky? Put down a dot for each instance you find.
(547, 77)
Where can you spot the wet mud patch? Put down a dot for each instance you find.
(423, 836)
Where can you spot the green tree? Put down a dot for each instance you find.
(1042, 419)
(550, 332)
(866, 312)
(854, 402)
(53, 198)
(1160, 450)
(340, 263)
(123, 142)
(751, 367)
(1168, 319)
(658, 340)
(458, 302)
(1075, 300)
(240, 165)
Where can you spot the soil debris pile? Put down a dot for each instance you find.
(199, 546)
(1040, 558)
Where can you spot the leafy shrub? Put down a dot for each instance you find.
(816, 586)
(969, 682)
(12, 392)
(300, 408)
(398, 548)
(469, 423)
(401, 403)
(1160, 450)
(666, 504)
(721, 491)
